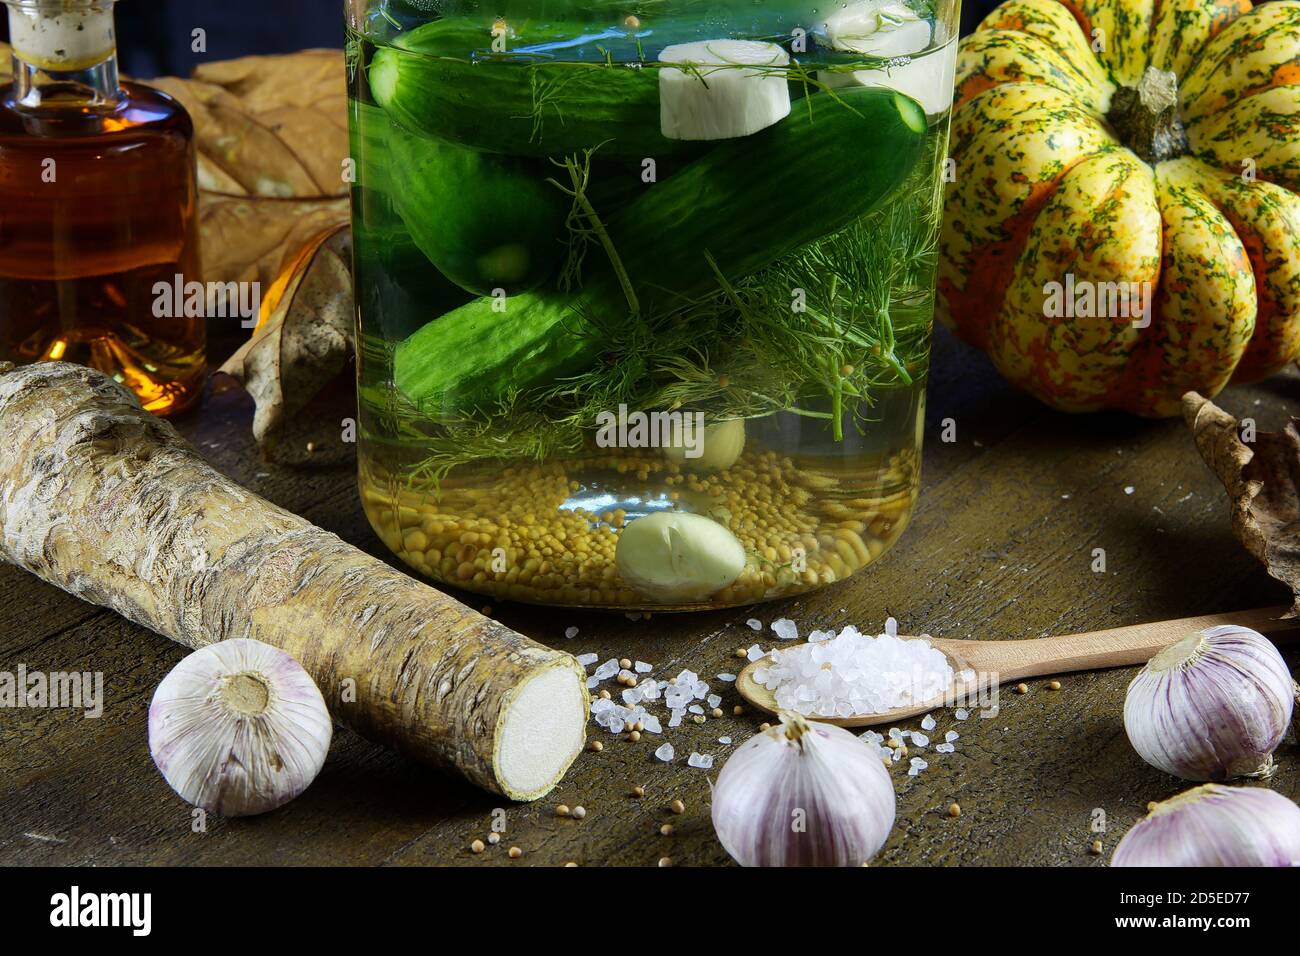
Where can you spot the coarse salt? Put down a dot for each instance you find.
(854, 673)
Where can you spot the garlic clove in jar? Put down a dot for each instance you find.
(1213, 706)
(1213, 825)
(676, 558)
(717, 448)
(239, 728)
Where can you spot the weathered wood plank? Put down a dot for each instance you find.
(1002, 546)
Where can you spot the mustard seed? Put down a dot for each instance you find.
(738, 710)
(634, 736)
(1022, 688)
(494, 838)
(562, 810)
(638, 791)
(570, 863)
(665, 861)
(514, 853)
(477, 847)
(579, 813)
(677, 806)
(597, 746)
(1096, 848)
(954, 810)
(666, 830)
(1053, 685)
(716, 712)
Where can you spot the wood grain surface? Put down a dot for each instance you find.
(1002, 547)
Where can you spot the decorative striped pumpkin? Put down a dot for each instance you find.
(1099, 145)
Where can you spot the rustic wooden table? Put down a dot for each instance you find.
(1002, 547)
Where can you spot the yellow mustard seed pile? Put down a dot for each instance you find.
(505, 533)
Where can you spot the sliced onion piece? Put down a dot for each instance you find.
(887, 29)
(724, 89)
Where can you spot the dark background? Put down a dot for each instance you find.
(154, 35)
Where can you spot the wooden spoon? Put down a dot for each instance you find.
(1008, 661)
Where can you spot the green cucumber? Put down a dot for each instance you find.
(437, 80)
(747, 203)
(487, 222)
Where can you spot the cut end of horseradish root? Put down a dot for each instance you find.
(922, 55)
(541, 731)
(722, 89)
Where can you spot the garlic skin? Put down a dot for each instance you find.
(803, 794)
(1213, 825)
(1213, 706)
(239, 728)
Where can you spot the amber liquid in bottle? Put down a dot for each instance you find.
(98, 209)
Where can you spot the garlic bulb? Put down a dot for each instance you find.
(803, 794)
(239, 728)
(1212, 707)
(1213, 825)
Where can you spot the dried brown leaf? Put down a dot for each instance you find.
(298, 364)
(1263, 484)
(272, 139)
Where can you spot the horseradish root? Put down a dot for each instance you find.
(103, 500)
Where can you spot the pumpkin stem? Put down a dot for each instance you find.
(1145, 117)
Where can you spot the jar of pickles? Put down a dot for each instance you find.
(645, 289)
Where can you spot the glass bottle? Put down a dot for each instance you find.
(98, 210)
(636, 335)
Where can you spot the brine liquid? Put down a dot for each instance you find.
(811, 503)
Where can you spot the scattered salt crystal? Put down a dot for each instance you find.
(607, 670)
(699, 761)
(950, 736)
(928, 722)
(713, 700)
(918, 762)
(920, 740)
(1129, 489)
(632, 695)
(727, 678)
(651, 724)
(754, 652)
(641, 667)
(785, 629)
(944, 748)
(754, 624)
(962, 713)
(625, 674)
(675, 720)
(891, 627)
(896, 755)
(724, 740)
(817, 636)
(616, 726)
(586, 660)
(593, 682)
(695, 709)
(665, 753)
(572, 632)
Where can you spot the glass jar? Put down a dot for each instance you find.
(645, 289)
(98, 210)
